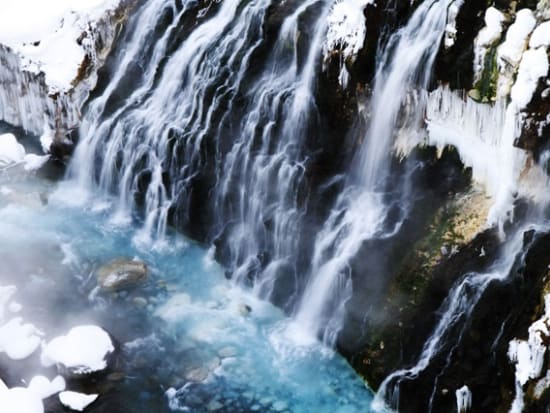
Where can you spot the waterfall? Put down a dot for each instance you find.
(360, 212)
(455, 311)
(211, 117)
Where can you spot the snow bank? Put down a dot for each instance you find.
(83, 350)
(49, 39)
(76, 401)
(346, 32)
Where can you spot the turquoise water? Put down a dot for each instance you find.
(189, 340)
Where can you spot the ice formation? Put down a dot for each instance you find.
(463, 399)
(487, 37)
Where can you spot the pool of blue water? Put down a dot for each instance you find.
(188, 340)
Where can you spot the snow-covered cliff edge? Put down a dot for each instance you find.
(49, 64)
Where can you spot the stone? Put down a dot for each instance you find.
(140, 302)
(228, 351)
(121, 274)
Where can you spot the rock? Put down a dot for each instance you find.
(198, 374)
(244, 310)
(140, 302)
(121, 273)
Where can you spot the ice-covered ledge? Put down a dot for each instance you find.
(49, 56)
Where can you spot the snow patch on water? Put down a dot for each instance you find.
(77, 401)
(83, 350)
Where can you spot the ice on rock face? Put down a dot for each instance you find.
(83, 350)
(76, 401)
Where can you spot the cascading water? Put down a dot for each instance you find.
(203, 107)
(360, 212)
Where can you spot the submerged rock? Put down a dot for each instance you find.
(121, 274)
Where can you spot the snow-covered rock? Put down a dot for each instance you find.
(49, 58)
(11, 151)
(487, 37)
(346, 32)
(510, 52)
(76, 401)
(83, 350)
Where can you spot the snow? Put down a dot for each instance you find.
(486, 37)
(528, 355)
(463, 399)
(510, 52)
(46, 39)
(516, 37)
(450, 29)
(534, 65)
(493, 27)
(541, 36)
(83, 350)
(19, 340)
(76, 401)
(346, 31)
(20, 400)
(44, 388)
(11, 151)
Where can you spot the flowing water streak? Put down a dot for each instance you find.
(406, 63)
(456, 309)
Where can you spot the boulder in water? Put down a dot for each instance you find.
(121, 274)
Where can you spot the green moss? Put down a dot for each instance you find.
(487, 84)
